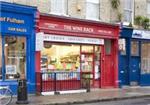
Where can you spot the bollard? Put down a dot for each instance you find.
(86, 81)
(88, 84)
(22, 97)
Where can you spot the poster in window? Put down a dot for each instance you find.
(11, 69)
(122, 45)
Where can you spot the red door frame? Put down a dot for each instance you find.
(100, 61)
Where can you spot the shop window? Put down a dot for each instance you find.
(87, 62)
(0, 57)
(15, 54)
(108, 47)
(122, 46)
(59, 7)
(145, 58)
(60, 57)
(135, 48)
(87, 49)
(92, 9)
(97, 61)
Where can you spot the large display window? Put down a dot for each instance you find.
(60, 57)
(145, 58)
(0, 57)
(66, 57)
(15, 57)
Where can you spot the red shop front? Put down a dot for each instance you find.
(72, 45)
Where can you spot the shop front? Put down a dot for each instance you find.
(77, 46)
(134, 60)
(17, 37)
(140, 57)
(124, 55)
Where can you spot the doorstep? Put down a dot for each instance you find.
(64, 92)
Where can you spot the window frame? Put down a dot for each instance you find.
(65, 8)
(138, 48)
(129, 10)
(143, 58)
(4, 59)
(95, 3)
(110, 47)
(148, 7)
(122, 43)
(1, 57)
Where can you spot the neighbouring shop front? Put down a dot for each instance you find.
(72, 47)
(17, 37)
(134, 58)
(140, 57)
(124, 56)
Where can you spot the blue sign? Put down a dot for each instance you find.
(14, 23)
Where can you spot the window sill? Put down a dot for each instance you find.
(59, 14)
(92, 19)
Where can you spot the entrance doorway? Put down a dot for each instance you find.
(87, 66)
(135, 63)
(90, 63)
(109, 64)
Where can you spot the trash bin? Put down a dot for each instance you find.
(22, 97)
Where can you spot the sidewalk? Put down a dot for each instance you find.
(93, 96)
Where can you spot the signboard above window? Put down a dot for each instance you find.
(72, 39)
(142, 34)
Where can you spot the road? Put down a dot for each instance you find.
(138, 101)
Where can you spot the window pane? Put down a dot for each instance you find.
(60, 57)
(108, 47)
(128, 10)
(87, 49)
(15, 54)
(0, 57)
(128, 4)
(93, 1)
(97, 61)
(135, 48)
(148, 7)
(92, 11)
(128, 16)
(122, 46)
(59, 6)
(145, 58)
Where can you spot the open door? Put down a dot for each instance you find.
(87, 66)
(91, 64)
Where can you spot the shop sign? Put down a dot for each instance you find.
(142, 34)
(77, 28)
(39, 41)
(71, 39)
(11, 69)
(15, 23)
